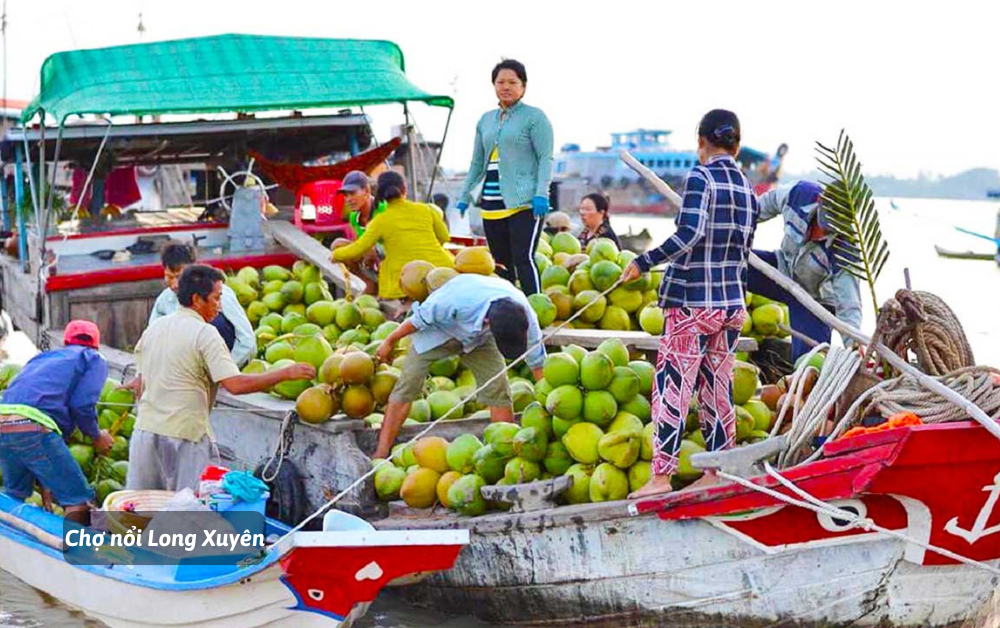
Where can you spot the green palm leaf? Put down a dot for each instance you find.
(848, 201)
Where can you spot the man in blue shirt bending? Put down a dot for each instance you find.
(483, 320)
(55, 394)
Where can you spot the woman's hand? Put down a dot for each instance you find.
(630, 273)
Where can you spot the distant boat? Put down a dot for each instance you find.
(992, 193)
(942, 252)
(892, 204)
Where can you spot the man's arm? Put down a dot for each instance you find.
(536, 354)
(359, 247)
(772, 202)
(83, 401)
(244, 384)
(245, 346)
(847, 292)
(385, 349)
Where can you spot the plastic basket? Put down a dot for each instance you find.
(121, 521)
(223, 502)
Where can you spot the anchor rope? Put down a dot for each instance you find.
(810, 502)
(503, 373)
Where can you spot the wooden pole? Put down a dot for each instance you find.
(832, 321)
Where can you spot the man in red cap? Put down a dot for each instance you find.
(54, 394)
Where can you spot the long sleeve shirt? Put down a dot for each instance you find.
(65, 384)
(523, 138)
(708, 253)
(245, 346)
(457, 310)
(408, 231)
(811, 263)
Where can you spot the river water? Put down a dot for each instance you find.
(971, 288)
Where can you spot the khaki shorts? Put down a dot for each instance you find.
(485, 361)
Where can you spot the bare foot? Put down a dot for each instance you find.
(657, 485)
(708, 480)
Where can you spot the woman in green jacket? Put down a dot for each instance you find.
(512, 156)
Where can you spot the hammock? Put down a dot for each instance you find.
(294, 176)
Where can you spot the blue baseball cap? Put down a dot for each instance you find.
(353, 181)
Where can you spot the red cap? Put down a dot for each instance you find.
(82, 333)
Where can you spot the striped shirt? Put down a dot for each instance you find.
(491, 203)
(708, 254)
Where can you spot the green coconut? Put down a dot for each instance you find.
(596, 371)
(581, 441)
(579, 491)
(465, 495)
(599, 407)
(565, 402)
(561, 369)
(608, 483)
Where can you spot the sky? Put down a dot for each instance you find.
(913, 83)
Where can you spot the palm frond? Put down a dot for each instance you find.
(858, 246)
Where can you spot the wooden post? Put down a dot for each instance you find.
(832, 321)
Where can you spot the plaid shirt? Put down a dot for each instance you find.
(707, 255)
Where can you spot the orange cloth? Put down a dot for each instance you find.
(903, 419)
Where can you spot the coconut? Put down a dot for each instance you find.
(815, 360)
(537, 417)
(563, 304)
(442, 401)
(647, 444)
(580, 281)
(652, 320)
(639, 474)
(356, 368)
(292, 320)
(604, 274)
(581, 442)
(628, 300)
(541, 262)
(430, 452)
(616, 350)
(685, 471)
(402, 455)
(307, 329)
(419, 489)
(744, 382)
(521, 471)
(357, 402)
(275, 301)
(579, 491)
(445, 367)
(367, 301)
(321, 313)
(762, 417)
(296, 308)
(315, 405)
(620, 448)
(555, 276)
(316, 292)
(544, 309)
(744, 424)
(645, 371)
(329, 371)
(275, 273)
(388, 481)
(420, 411)
(596, 371)
(560, 427)
(626, 422)
(608, 483)
(599, 407)
(624, 385)
(572, 261)
(766, 319)
(382, 385)
(615, 319)
(603, 249)
(292, 291)
(576, 351)
(501, 437)
(411, 279)
(476, 260)
(313, 350)
(461, 451)
(565, 402)
(371, 318)
(530, 443)
(348, 316)
(256, 311)
(272, 320)
(443, 485)
(438, 277)
(465, 497)
(557, 459)
(639, 406)
(593, 304)
(489, 464)
(561, 369)
(542, 390)
(289, 389)
(270, 287)
(565, 242)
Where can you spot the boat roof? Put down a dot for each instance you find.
(225, 73)
(295, 138)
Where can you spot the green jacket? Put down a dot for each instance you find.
(524, 142)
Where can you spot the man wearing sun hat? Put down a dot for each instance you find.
(54, 394)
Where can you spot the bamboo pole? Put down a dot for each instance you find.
(832, 321)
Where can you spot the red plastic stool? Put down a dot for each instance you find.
(329, 209)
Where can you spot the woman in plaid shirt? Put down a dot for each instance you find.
(702, 297)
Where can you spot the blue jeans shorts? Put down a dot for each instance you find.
(43, 456)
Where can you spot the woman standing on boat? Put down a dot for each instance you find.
(596, 222)
(407, 231)
(513, 157)
(702, 296)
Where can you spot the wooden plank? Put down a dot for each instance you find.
(305, 247)
(590, 338)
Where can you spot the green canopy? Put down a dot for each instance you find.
(225, 73)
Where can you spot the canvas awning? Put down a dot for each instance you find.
(225, 73)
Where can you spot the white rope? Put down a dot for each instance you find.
(838, 370)
(433, 424)
(810, 502)
(279, 451)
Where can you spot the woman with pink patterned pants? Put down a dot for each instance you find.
(702, 297)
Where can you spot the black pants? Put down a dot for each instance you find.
(513, 242)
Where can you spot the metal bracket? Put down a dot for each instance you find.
(742, 461)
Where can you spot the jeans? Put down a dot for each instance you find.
(43, 456)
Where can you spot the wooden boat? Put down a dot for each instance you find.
(636, 242)
(732, 556)
(326, 578)
(942, 252)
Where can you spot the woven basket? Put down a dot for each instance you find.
(122, 521)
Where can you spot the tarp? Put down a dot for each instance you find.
(225, 73)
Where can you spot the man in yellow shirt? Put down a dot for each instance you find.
(182, 360)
